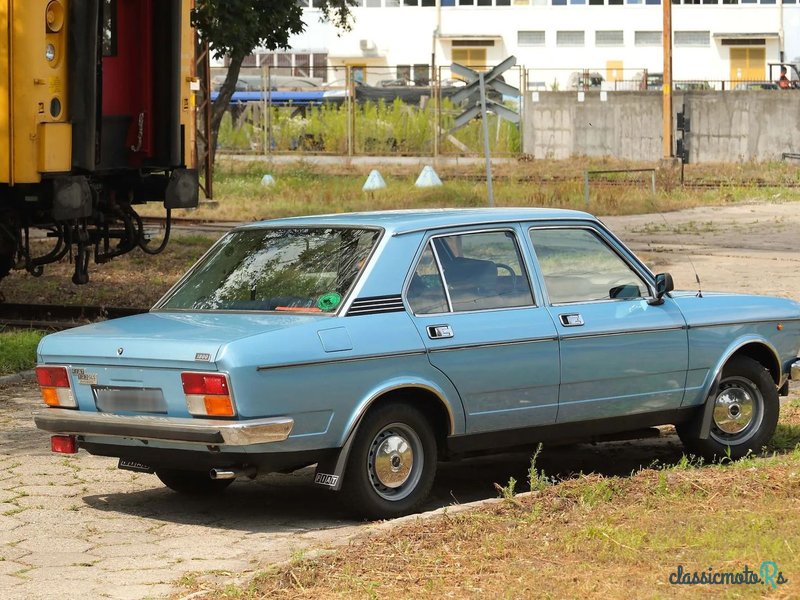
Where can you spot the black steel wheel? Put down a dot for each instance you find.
(744, 416)
(192, 483)
(392, 463)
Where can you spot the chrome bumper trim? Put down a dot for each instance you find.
(195, 431)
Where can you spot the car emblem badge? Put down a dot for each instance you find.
(204, 356)
(120, 351)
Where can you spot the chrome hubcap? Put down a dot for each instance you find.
(394, 462)
(737, 409)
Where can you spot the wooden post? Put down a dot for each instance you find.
(666, 119)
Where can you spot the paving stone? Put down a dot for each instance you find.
(55, 543)
(135, 592)
(59, 559)
(57, 491)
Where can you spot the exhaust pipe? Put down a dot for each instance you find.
(232, 473)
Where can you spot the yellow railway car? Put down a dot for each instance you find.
(97, 115)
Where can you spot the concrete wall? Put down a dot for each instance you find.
(725, 126)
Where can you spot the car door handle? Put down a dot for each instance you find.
(439, 332)
(571, 319)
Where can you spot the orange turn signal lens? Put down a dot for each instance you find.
(218, 406)
(50, 396)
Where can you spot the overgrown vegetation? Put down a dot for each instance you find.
(587, 536)
(379, 128)
(18, 350)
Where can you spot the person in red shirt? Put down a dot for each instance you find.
(783, 81)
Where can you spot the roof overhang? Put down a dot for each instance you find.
(746, 36)
(469, 36)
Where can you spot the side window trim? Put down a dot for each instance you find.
(441, 273)
(604, 239)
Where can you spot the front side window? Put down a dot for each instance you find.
(480, 271)
(578, 266)
(284, 270)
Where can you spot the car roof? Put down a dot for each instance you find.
(406, 221)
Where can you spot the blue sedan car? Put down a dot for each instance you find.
(375, 345)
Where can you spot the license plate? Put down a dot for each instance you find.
(132, 465)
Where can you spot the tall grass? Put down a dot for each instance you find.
(379, 128)
(18, 350)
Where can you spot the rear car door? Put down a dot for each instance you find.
(621, 353)
(474, 307)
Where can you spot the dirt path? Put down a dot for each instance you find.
(76, 527)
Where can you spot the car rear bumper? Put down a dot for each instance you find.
(198, 431)
(795, 371)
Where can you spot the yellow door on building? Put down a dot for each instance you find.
(748, 64)
(614, 70)
(474, 58)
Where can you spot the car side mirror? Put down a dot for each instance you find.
(664, 285)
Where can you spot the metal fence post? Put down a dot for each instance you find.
(435, 93)
(653, 182)
(351, 92)
(586, 188)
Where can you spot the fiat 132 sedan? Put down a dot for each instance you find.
(375, 345)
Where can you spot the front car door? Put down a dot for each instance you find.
(474, 307)
(621, 353)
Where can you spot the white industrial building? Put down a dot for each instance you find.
(713, 40)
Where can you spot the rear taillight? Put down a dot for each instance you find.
(55, 386)
(208, 394)
(64, 444)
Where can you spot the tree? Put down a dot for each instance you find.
(234, 28)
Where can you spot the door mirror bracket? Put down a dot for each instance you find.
(664, 285)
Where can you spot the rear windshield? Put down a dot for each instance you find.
(284, 270)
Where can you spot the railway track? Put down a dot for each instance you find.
(54, 317)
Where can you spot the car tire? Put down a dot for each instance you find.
(192, 483)
(745, 413)
(392, 463)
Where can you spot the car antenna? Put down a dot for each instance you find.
(689, 258)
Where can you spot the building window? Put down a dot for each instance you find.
(320, 63)
(692, 38)
(373, 3)
(647, 38)
(613, 2)
(428, 3)
(530, 38)
(612, 37)
(596, 2)
(404, 72)
(569, 38)
(502, 3)
(302, 65)
(653, 2)
(577, 1)
(559, 2)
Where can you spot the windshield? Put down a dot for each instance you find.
(288, 269)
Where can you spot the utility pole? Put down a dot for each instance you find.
(666, 119)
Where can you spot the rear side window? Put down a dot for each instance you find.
(479, 271)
